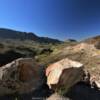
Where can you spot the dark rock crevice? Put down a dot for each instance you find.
(83, 91)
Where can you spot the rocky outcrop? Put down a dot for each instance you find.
(64, 74)
(92, 40)
(19, 76)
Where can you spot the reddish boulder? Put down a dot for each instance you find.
(21, 75)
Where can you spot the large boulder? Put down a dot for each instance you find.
(21, 76)
(64, 74)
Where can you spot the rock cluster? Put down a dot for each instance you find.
(23, 76)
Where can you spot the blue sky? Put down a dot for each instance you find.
(61, 19)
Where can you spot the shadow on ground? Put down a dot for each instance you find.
(39, 94)
(82, 91)
(9, 56)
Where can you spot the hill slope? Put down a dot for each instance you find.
(93, 40)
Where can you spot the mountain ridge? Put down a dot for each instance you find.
(13, 34)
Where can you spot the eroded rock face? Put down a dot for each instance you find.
(19, 76)
(64, 74)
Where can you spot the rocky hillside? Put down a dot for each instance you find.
(93, 40)
(68, 70)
